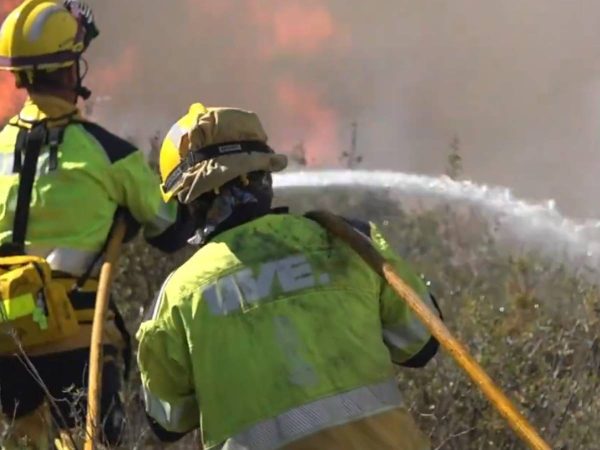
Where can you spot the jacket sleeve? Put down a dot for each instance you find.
(166, 372)
(138, 189)
(408, 340)
(132, 184)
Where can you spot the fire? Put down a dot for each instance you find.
(273, 33)
(10, 97)
(257, 54)
(305, 36)
(6, 6)
(294, 27)
(302, 29)
(316, 124)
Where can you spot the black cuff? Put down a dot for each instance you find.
(429, 350)
(176, 236)
(133, 226)
(437, 306)
(424, 356)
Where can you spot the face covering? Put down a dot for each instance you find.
(221, 209)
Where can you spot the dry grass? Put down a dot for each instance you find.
(532, 323)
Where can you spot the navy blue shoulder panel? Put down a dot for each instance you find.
(115, 147)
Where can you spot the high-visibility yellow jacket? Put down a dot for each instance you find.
(73, 207)
(273, 331)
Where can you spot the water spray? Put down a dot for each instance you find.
(540, 225)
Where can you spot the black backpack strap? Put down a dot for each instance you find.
(85, 276)
(36, 138)
(20, 149)
(127, 352)
(28, 147)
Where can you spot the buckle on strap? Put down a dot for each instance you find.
(55, 138)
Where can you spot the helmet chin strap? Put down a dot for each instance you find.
(83, 92)
(80, 89)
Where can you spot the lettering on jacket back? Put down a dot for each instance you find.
(245, 288)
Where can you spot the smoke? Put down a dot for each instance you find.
(255, 54)
(10, 98)
(515, 80)
(515, 224)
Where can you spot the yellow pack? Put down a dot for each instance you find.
(34, 308)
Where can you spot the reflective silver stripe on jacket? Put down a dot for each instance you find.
(308, 419)
(407, 335)
(7, 162)
(69, 260)
(168, 415)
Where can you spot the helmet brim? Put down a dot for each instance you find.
(214, 173)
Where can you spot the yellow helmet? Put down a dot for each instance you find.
(40, 35)
(209, 147)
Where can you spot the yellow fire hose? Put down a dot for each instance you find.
(338, 227)
(113, 250)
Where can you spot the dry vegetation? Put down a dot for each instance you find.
(534, 324)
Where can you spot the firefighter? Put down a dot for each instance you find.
(83, 176)
(274, 334)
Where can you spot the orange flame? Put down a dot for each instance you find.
(302, 28)
(10, 97)
(272, 31)
(315, 124)
(294, 27)
(6, 6)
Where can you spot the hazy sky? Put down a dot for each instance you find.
(517, 81)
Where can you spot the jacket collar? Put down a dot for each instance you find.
(40, 107)
(201, 241)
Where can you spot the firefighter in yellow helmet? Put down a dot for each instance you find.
(274, 335)
(41, 37)
(63, 179)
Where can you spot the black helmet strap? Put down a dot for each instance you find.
(80, 89)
